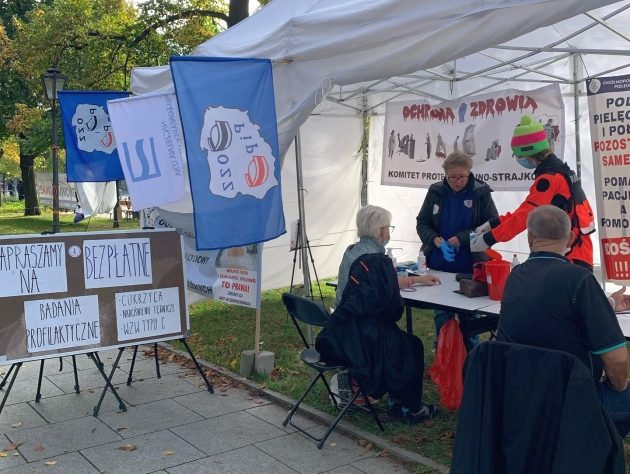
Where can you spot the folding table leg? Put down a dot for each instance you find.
(6, 394)
(108, 381)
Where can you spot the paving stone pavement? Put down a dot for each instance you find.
(173, 425)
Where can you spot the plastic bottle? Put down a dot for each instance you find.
(391, 255)
(515, 261)
(422, 263)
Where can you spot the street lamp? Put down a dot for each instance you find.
(53, 82)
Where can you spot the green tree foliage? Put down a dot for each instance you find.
(95, 43)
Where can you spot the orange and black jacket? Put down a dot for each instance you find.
(555, 183)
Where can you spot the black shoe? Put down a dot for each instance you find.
(424, 414)
(395, 410)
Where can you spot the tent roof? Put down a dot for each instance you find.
(440, 50)
(599, 38)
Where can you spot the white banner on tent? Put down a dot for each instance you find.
(418, 136)
(230, 275)
(150, 147)
(609, 111)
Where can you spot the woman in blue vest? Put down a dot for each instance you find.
(452, 209)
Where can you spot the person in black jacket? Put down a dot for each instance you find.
(362, 332)
(452, 209)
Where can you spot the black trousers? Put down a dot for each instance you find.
(410, 395)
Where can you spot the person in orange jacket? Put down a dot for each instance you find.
(555, 183)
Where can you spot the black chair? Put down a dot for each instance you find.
(310, 312)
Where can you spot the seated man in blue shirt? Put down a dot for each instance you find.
(550, 302)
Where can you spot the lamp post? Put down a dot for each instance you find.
(53, 82)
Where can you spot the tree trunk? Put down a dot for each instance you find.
(239, 10)
(31, 205)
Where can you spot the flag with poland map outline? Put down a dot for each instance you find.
(91, 154)
(228, 116)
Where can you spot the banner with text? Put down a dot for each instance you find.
(230, 275)
(609, 111)
(419, 136)
(89, 138)
(228, 115)
(80, 292)
(151, 148)
(43, 187)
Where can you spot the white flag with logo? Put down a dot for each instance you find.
(151, 148)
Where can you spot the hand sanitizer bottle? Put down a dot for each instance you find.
(422, 263)
(515, 262)
(391, 255)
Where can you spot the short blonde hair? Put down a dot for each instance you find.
(457, 158)
(370, 219)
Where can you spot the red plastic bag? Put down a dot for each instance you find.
(446, 370)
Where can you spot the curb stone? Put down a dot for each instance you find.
(346, 428)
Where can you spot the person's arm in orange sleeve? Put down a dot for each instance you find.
(511, 224)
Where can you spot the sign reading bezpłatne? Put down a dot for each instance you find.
(79, 292)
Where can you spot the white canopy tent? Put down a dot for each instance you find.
(358, 55)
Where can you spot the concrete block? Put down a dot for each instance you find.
(264, 362)
(247, 363)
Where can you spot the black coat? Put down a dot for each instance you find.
(362, 332)
(531, 410)
(428, 222)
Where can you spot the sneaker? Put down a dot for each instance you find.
(425, 413)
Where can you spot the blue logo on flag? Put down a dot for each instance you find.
(91, 154)
(148, 170)
(228, 117)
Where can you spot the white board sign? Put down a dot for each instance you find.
(61, 323)
(147, 313)
(32, 269)
(116, 262)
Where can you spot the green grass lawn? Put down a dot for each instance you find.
(13, 221)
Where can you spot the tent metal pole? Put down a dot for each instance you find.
(303, 241)
(365, 142)
(576, 113)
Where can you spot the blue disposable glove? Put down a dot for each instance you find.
(448, 251)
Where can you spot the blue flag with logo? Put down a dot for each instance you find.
(91, 153)
(228, 117)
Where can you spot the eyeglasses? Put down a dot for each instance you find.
(391, 228)
(454, 178)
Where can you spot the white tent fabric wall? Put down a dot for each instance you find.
(331, 167)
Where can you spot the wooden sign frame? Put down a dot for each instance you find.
(73, 293)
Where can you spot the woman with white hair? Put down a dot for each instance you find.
(362, 332)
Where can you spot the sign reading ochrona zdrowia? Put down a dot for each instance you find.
(80, 292)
